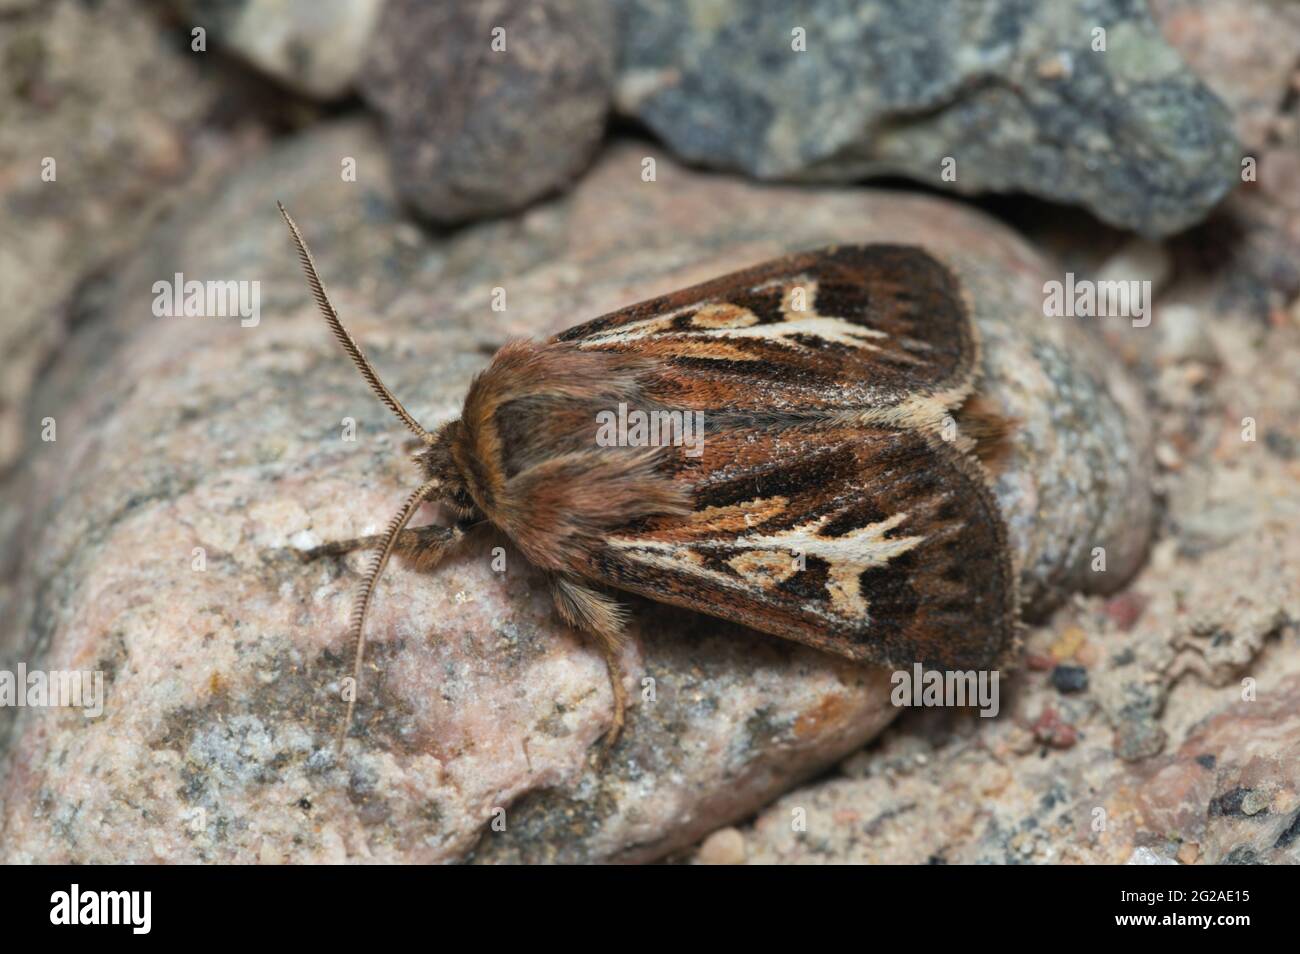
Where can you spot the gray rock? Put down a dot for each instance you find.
(1243, 49)
(490, 105)
(97, 108)
(313, 46)
(1149, 856)
(1013, 92)
(1246, 260)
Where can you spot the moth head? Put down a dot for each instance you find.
(438, 467)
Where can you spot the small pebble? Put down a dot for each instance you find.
(1148, 856)
(1068, 644)
(1167, 456)
(1139, 739)
(1126, 609)
(474, 134)
(1189, 853)
(726, 846)
(1254, 802)
(1051, 731)
(1138, 260)
(1067, 679)
(1183, 335)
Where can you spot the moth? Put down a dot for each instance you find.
(843, 497)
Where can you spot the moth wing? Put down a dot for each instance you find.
(871, 328)
(877, 544)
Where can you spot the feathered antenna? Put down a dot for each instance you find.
(344, 338)
(361, 607)
(356, 631)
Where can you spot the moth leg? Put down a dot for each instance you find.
(423, 546)
(598, 615)
(615, 672)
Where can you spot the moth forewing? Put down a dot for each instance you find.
(876, 544)
(881, 326)
(827, 508)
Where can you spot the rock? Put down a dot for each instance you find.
(1051, 730)
(1146, 856)
(1138, 260)
(1244, 260)
(1182, 335)
(1069, 679)
(972, 96)
(1249, 802)
(482, 122)
(165, 526)
(726, 846)
(1088, 443)
(981, 801)
(84, 166)
(1244, 50)
(315, 47)
(1139, 737)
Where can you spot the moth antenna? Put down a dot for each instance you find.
(356, 631)
(344, 338)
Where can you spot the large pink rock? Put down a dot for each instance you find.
(181, 439)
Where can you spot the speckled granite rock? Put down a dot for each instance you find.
(482, 122)
(1244, 50)
(1246, 259)
(940, 790)
(1229, 795)
(1015, 93)
(474, 734)
(313, 46)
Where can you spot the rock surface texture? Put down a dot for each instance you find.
(314, 47)
(1081, 103)
(490, 105)
(197, 458)
(82, 165)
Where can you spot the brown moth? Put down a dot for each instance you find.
(826, 507)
